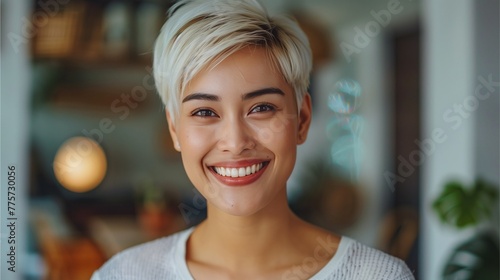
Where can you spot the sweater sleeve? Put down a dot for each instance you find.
(355, 261)
(148, 261)
(405, 273)
(95, 276)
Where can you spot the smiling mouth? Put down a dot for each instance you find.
(239, 172)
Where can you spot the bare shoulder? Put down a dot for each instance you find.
(318, 236)
(319, 243)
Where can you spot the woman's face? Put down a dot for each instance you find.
(237, 130)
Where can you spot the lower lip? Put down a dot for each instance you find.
(239, 181)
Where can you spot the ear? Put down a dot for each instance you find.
(173, 133)
(305, 117)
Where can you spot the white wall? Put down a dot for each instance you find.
(488, 118)
(15, 86)
(448, 79)
(487, 63)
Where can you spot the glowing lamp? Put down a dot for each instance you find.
(80, 164)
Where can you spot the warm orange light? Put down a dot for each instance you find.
(80, 164)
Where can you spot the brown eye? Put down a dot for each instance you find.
(263, 108)
(204, 113)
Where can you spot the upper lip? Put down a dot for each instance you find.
(239, 163)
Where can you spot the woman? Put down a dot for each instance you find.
(234, 82)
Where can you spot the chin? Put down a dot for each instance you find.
(241, 207)
(241, 201)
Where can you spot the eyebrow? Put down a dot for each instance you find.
(246, 96)
(201, 96)
(263, 91)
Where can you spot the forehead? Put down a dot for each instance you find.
(244, 70)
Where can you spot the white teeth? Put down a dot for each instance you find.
(234, 172)
(238, 172)
(258, 167)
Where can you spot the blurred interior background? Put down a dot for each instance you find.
(403, 152)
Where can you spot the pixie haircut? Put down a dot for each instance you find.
(199, 34)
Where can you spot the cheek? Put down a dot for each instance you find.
(195, 144)
(194, 139)
(279, 133)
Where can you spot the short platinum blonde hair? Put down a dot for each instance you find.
(201, 33)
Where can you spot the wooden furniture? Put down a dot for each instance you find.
(67, 256)
(399, 232)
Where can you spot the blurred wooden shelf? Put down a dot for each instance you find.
(118, 33)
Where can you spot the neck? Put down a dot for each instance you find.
(247, 241)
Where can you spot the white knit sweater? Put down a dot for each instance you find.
(164, 259)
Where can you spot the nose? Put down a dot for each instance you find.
(235, 137)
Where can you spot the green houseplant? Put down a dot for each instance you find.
(462, 207)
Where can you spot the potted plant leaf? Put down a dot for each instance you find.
(462, 207)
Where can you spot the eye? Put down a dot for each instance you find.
(263, 108)
(204, 113)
